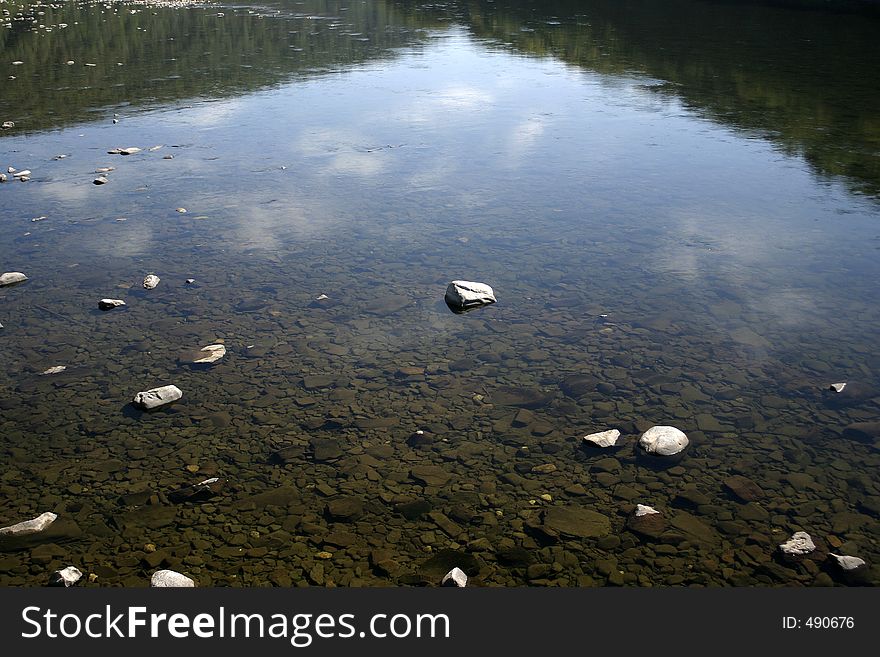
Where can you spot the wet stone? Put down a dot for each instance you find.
(430, 475)
(575, 521)
(345, 508)
(743, 488)
(324, 449)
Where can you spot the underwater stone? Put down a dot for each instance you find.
(156, 397)
(464, 295)
(170, 579)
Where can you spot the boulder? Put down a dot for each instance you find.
(151, 281)
(156, 397)
(602, 439)
(663, 441)
(65, 577)
(110, 304)
(12, 278)
(170, 579)
(455, 577)
(467, 295)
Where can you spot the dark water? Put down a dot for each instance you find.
(677, 209)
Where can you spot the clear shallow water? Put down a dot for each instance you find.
(696, 257)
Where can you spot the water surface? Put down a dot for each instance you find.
(678, 215)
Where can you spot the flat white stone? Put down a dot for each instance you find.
(109, 304)
(799, 543)
(11, 278)
(837, 387)
(642, 510)
(170, 579)
(848, 563)
(663, 441)
(151, 281)
(157, 397)
(455, 577)
(55, 370)
(213, 353)
(603, 438)
(22, 174)
(28, 527)
(65, 577)
(129, 151)
(468, 294)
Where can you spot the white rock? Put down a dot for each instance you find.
(110, 304)
(3, 177)
(642, 510)
(322, 297)
(129, 151)
(837, 387)
(190, 281)
(847, 563)
(663, 441)
(170, 579)
(101, 180)
(455, 577)
(65, 577)
(463, 295)
(22, 174)
(151, 281)
(11, 278)
(799, 544)
(28, 527)
(58, 369)
(603, 438)
(157, 397)
(213, 353)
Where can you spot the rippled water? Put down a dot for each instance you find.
(680, 225)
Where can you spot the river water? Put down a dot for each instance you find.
(677, 211)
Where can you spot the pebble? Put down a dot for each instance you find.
(151, 281)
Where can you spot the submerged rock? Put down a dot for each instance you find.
(864, 432)
(28, 527)
(646, 521)
(576, 522)
(204, 356)
(110, 304)
(151, 281)
(101, 180)
(602, 439)
(744, 488)
(466, 295)
(65, 577)
(663, 441)
(170, 579)
(156, 397)
(455, 577)
(198, 492)
(12, 278)
(58, 369)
